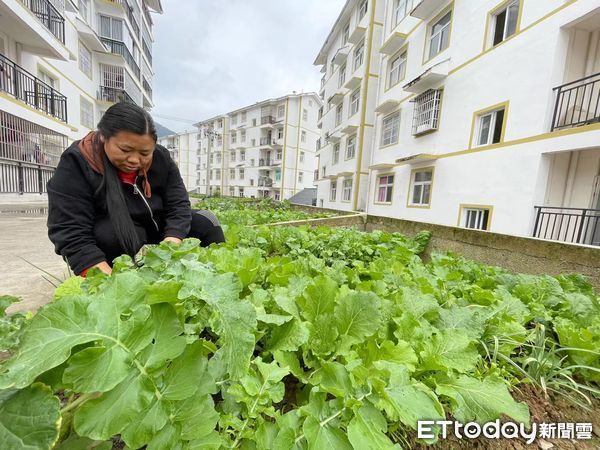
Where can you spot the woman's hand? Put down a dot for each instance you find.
(172, 239)
(104, 267)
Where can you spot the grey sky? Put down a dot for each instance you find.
(214, 56)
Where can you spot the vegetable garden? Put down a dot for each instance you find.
(291, 338)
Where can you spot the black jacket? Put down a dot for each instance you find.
(74, 210)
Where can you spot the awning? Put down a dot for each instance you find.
(428, 79)
(417, 158)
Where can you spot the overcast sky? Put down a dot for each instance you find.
(214, 56)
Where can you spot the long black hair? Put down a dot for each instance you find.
(122, 116)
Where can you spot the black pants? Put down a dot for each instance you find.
(205, 226)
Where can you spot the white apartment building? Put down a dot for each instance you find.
(486, 116)
(183, 148)
(62, 64)
(265, 150)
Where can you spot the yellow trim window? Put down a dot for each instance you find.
(396, 68)
(336, 153)
(339, 112)
(390, 129)
(359, 55)
(351, 147)
(354, 102)
(505, 22)
(385, 187)
(333, 191)
(342, 76)
(347, 190)
(475, 218)
(401, 9)
(439, 37)
(489, 127)
(420, 193)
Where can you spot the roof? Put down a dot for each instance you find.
(321, 58)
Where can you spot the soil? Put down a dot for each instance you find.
(553, 410)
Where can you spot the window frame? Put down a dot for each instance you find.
(350, 139)
(354, 100)
(383, 130)
(358, 56)
(347, 189)
(430, 35)
(363, 8)
(342, 75)
(90, 72)
(491, 23)
(389, 188)
(83, 101)
(476, 124)
(413, 183)
(396, 9)
(303, 137)
(463, 215)
(333, 190)
(434, 114)
(335, 153)
(339, 114)
(403, 52)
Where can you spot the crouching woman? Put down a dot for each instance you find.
(116, 190)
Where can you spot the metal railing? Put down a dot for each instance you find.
(119, 48)
(577, 103)
(18, 177)
(114, 95)
(265, 182)
(263, 162)
(264, 120)
(572, 225)
(266, 141)
(26, 87)
(49, 16)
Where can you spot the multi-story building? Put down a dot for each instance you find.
(183, 148)
(486, 117)
(62, 64)
(265, 150)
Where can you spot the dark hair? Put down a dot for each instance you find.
(122, 116)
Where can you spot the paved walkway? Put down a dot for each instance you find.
(24, 240)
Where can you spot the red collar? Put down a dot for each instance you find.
(126, 177)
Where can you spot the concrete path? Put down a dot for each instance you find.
(24, 237)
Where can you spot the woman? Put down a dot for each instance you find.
(116, 190)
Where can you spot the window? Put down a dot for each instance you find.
(339, 113)
(421, 187)
(48, 79)
(85, 60)
(346, 34)
(233, 137)
(323, 171)
(347, 190)
(243, 136)
(231, 191)
(252, 162)
(241, 174)
(351, 147)
(234, 119)
(232, 156)
(111, 27)
(354, 102)
(218, 174)
(336, 153)
(440, 35)
(333, 191)
(303, 136)
(84, 10)
(427, 111)
(251, 181)
(220, 123)
(242, 155)
(305, 115)
(241, 192)
(385, 186)
(301, 157)
(300, 177)
(232, 174)
(362, 9)
(218, 158)
(489, 128)
(253, 141)
(396, 69)
(279, 155)
(244, 116)
(87, 113)
(390, 127)
(281, 111)
(505, 22)
(277, 175)
(401, 10)
(477, 218)
(253, 122)
(342, 76)
(276, 196)
(280, 133)
(358, 55)
(212, 159)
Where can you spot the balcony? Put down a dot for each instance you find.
(266, 141)
(119, 48)
(571, 225)
(113, 95)
(39, 25)
(265, 182)
(577, 103)
(129, 12)
(341, 56)
(24, 86)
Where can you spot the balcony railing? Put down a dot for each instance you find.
(49, 16)
(262, 162)
(267, 120)
(114, 95)
(119, 48)
(23, 177)
(265, 182)
(22, 85)
(266, 141)
(572, 225)
(577, 103)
